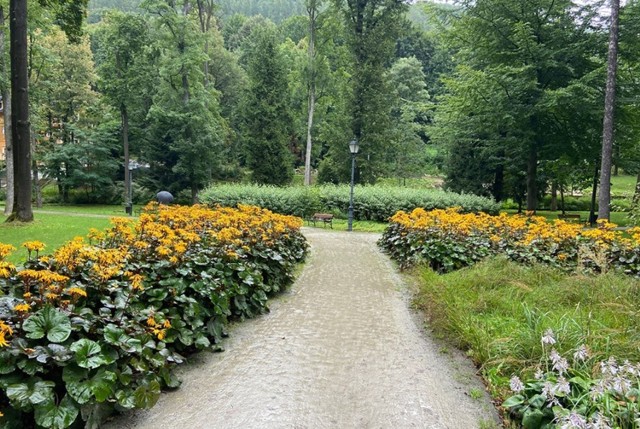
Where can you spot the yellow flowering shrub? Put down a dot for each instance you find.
(131, 300)
(449, 239)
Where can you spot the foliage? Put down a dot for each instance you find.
(449, 240)
(370, 202)
(266, 117)
(584, 393)
(498, 311)
(100, 325)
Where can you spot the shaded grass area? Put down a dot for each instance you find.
(619, 218)
(498, 311)
(51, 229)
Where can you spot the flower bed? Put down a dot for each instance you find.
(99, 325)
(449, 240)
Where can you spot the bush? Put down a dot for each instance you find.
(98, 326)
(449, 240)
(374, 203)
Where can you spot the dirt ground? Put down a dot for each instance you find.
(340, 349)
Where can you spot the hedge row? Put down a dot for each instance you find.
(375, 203)
(98, 326)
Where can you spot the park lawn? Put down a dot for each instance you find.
(498, 310)
(51, 229)
(619, 218)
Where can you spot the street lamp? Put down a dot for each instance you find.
(353, 148)
(128, 208)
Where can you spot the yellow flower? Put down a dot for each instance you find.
(33, 246)
(5, 249)
(76, 291)
(22, 308)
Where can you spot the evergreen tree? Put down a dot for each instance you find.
(266, 119)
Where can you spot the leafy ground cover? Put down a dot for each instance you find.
(499, 311)
(99, 324)
(548, 310)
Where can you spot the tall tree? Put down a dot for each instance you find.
(372, 32)
(608, 123)
(20, 132)
(531, 54)
(125, 75)
(313, 9)
(186, 129)
(6, 103)
(69, 15)
(265, 111)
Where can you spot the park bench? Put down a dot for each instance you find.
(325, 218)
(570, 217)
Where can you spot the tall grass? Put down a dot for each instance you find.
(497, 311)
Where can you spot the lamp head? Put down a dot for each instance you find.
(354, 146)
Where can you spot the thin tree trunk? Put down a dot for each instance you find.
(636, 194)
(554, 196)
(36, 179)
(594, 191)
(312, 11)
(6, 100)
(20, 112)
(608, 123)
(532, 186)
(128, 194)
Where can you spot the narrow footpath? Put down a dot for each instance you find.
(340, 349)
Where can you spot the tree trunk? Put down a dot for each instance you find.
(128, 194)
(36, 179)
(312, 10)
(594, 191)
(636, 194)
(554, 196)
(607, 125)
(6, 100)
(20, 112)
(532, 172)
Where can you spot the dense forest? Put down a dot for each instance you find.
(503, 98)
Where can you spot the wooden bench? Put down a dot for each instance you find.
(570, 217)
(325, 218)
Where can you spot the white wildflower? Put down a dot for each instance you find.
(562, 386)
(581, 354)
(516, 384)
(548, 337)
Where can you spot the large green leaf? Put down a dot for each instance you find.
(57, 417)
(33, 392)
(87, 353)
(146, 395)
(50, 322)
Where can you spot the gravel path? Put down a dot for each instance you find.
(341, 349)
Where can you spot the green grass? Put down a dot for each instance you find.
(497, 311)
(619, 218)
(51, 229)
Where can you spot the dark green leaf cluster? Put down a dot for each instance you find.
(114, 346)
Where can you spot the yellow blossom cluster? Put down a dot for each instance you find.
(5, 330)
(520, 229)
(33, 246)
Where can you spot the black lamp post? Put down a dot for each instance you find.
(353, 148)
(133, 165)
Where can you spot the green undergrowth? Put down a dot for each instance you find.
(498, 311)
(51, 229)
